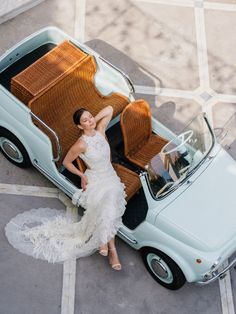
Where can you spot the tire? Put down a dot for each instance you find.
(13, 149)
(163, 269)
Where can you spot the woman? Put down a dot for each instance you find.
(49, 234)
(93, 148)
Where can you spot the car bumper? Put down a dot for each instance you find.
(215, 275)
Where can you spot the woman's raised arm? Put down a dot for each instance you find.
(103, 118)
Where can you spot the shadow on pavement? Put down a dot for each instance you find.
(135, 71)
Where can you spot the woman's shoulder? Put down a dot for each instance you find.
(80, 144)
(75, 150)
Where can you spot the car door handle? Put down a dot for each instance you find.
(127, 237)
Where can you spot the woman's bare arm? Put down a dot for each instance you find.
(103, 118)
(73, 153)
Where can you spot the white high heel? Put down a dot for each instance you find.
(116, 266)
(103, 252)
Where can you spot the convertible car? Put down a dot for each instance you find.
(181, 209)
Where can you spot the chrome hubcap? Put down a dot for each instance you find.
(10, 149)
(159, 268)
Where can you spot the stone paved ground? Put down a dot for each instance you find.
(180, 55)
(11, 8)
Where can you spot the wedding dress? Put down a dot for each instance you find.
(49, 234)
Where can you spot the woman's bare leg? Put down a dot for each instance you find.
(111, 243)
(113, 256)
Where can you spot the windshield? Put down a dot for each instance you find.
(180, 157)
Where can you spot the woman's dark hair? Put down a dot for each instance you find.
(77, 115)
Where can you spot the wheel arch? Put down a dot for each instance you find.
(20, 138)
(187, 270)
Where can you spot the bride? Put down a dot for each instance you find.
(44, 234)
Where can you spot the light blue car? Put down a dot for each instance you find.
(183, 217)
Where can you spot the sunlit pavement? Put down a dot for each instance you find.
(180, 54)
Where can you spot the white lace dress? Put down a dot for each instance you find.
(49, 234)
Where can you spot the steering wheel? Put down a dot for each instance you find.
(188, 134)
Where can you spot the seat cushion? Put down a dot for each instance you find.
(146, 151)
(130, 179)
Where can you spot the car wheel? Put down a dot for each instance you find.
(13, 149)
(163, 269)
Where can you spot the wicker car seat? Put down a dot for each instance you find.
(140, 144)
(56, 104)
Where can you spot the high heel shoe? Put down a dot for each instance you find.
(103, 252)
(116, 266)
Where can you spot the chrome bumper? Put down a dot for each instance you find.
(215, 275)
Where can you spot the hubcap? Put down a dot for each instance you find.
(159, 268)
(10, 149)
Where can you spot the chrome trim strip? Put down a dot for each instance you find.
(220, 275)
(126, 237)
(132, 90)
(36, 165)
(54, 134)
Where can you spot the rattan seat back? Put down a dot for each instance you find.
(136, 125)
(57, 104)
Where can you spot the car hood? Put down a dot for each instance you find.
(204, 215)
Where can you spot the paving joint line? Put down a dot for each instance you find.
(226, 98)
(227, 301)
(219, 6)
(28, 190)
(201, 48)
(69, 266)
(79, 20)
(68, 287)
(182, 3)
(194, 3)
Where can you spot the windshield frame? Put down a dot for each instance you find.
(192, 171)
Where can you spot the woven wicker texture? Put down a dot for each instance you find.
(130, 179)
(45, 71)
(57, 104)
(81, 164)
(140, 145)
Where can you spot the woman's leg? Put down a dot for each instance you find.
(111, 243)
(104, 247)
(113, 256)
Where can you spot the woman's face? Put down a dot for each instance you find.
(87, 121)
